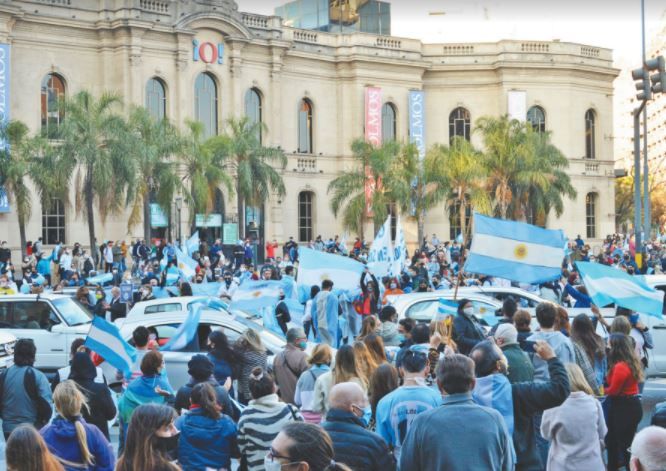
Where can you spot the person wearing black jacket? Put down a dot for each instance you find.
(100, 408)
(370, 294)
(282, 314)
(529, 398)
(201, 369)
(467, 331)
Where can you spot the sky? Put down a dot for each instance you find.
(614, 24)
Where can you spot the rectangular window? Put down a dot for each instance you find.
(53, 222)
(305, 216)
(591, 215)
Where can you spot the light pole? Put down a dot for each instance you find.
(179, 207)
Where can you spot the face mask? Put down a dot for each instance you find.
(99, 296)
(302, 345)
(393, 286)
(469, 311)
(227, 279)
(243, 270)
(367, 415)
(281, 297)
(402, 338)
(271, 465)
(167, 444)
(152, 337)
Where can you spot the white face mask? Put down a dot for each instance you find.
(469, 311)
(271, 465)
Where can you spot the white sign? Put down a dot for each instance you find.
(517, 105)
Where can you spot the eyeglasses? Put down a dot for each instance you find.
(274, 455)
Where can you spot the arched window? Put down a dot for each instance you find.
(388, 122)
(156, 98)
(253, 108)
(52, 102)
(205, 103)
(305, 203)
(305, 127)
(591, 215)
(590, 134)
(459, 124)
(537, 118)
(53, 222)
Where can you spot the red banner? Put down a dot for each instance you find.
(373, 135)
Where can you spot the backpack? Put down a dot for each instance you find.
(42, 406)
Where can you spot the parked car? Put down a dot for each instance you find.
(53, 321)
(183, 303)
(422, 307)
(7, 343)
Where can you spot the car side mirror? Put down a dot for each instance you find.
(58, 329)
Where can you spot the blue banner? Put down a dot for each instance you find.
(4, 109)
(417, 130)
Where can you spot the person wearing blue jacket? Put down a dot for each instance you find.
(207, 437)
(77, 444)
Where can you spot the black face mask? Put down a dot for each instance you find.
(282, 297)
(167, 444)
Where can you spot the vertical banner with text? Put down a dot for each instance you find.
(417, 129)
(4, 110)
(373, 135)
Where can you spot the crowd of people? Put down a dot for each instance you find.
(377, 392)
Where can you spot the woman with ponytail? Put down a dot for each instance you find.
(303, 447)
(207, 435)
(77, 444)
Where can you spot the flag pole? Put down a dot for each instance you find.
(461, 263)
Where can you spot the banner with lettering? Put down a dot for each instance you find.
(373, 135)
(417, 130)
(4, 110)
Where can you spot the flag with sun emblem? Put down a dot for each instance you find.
(515, 251)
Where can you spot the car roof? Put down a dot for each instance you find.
(448, 294)
(655, 279)
(175, 299)
(34, 297)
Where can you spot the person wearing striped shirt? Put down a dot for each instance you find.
(262, 420)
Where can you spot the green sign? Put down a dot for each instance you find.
(230, 233)
(212, 220)
(157, 216)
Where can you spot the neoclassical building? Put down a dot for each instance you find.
(205, 60)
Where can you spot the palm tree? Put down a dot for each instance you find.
(505, 147)
(541, 180)
(457, 172)
(28, 159)
(96, 142)
(154, 142)
(204, 170)
(388, 169)
(255, 166)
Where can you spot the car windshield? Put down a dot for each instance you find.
(73, 312)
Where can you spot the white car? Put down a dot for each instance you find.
(53, 321)
(7, 343)
(422, 307)
(166, 324)
(183, 303)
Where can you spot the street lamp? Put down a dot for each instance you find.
(179, 207)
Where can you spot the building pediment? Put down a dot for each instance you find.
(228, 26)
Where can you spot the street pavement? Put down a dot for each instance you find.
(653, 393)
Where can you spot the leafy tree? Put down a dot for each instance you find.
(388, 168)
(253, 165)
(154, 143)
(96, 146)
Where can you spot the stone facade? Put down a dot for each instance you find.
(119, 45)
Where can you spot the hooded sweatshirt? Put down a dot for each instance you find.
(60, 436)
(205, 442)
(562, 347)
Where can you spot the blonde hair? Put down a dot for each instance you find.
(620, 325)
(365, 362)
(69, 400)
(577, 379)
(250, 340)
(444, 327)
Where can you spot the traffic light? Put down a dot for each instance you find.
(658, 79)
(642, 76)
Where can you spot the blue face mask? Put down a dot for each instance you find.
(402, 338)
(367, 415)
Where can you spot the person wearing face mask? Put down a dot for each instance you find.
(397, 410)
(291, 363)
(388, 330)
(151, 437)
(5, 289)
(346, 421)
(146, 293)
(282, 313)
(100, 307)
(467, 331)
(228, 286)
(520, 402)
(393, 290)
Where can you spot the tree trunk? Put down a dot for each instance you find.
(146, 219)
(241, 215)
(463, 210)
(420, 225)
(21, 222)
(90, 215)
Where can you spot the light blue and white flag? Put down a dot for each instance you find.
(606, 285)
(343, 244)
(104, 339)
(380, 255)
(205, 289)
(100, 279)
(399, 251)
(187, 330)
(315, 267)
(186, 264)
(163, 264)
(255, 295)
(446, 308)
(515, 251)
(192, 244)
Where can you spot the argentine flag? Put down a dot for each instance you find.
(100, 279)
(446, 308)
(192, 244)
(255, 295)
(380, 255)
(515, 251)
(315, 267)
(187, 330)
(104, 339)
(607, 285)
(186, 264)
(399, 251)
